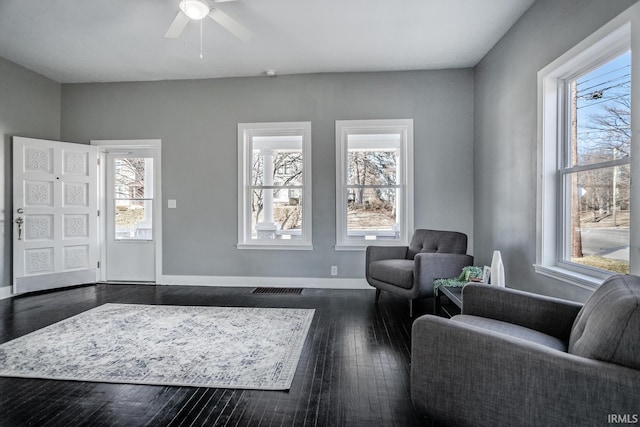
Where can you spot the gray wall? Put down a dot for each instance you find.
(505, 131)
(196, 121)
(29, 106)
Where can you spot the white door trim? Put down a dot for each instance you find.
(148, 144)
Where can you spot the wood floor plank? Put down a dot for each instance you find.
(353, 370)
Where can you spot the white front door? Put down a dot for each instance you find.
(129, 215)
(55, 209)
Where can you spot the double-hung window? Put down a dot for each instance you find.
(274, 182)
(374, 183)
(584, 192)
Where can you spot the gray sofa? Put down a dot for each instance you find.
(515, 359)
(409, 271)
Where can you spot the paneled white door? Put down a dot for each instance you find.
(55, 208)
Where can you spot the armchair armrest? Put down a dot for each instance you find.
(432, 266)
(552, 316)
(377, 253)
(463, 375)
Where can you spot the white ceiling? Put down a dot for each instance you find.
(123, 40)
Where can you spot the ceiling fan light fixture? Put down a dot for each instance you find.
(194, 9)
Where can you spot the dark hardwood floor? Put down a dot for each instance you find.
(354, 369)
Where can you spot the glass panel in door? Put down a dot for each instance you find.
(133, 198)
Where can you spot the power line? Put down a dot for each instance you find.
(627, 81)
(604, 74)
(624, 95)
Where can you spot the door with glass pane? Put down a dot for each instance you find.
(130, 246)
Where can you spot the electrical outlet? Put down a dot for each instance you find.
(334, 270)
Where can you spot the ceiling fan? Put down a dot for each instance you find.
(196, 10)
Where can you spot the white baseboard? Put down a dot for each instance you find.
(6, 292)
(267, 282)
(249, 282)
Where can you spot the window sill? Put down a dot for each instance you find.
(363, 246)
(271, 246)
(568, 276)
(350, 247)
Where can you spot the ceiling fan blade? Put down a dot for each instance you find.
(230, 24)
(177, 26)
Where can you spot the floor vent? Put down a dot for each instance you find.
(294, 291)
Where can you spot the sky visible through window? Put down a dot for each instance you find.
(602, 94)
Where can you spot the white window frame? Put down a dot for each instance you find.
(405, 185)
(246, 132)
(605, 44)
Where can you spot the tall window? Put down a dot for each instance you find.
(596, 167)
(374, 195)
(274, 185)
(585, 214)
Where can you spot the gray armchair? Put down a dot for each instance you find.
(409, 271)
(518, 359)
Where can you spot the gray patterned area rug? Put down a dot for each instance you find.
(225, 347)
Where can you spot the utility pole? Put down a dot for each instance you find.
(614, 195)
(576, 234)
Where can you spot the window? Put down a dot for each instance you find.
(133, 197)
(584, 192)
(274, 185)
(374, 191)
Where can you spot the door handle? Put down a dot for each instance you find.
(19, 221)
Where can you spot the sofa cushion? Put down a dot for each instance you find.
(512, 330)
(607, 328)
(435, 241)
(395, 271)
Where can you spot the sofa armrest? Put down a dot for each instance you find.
(552, 316)
(464, 375)
(432, 266)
